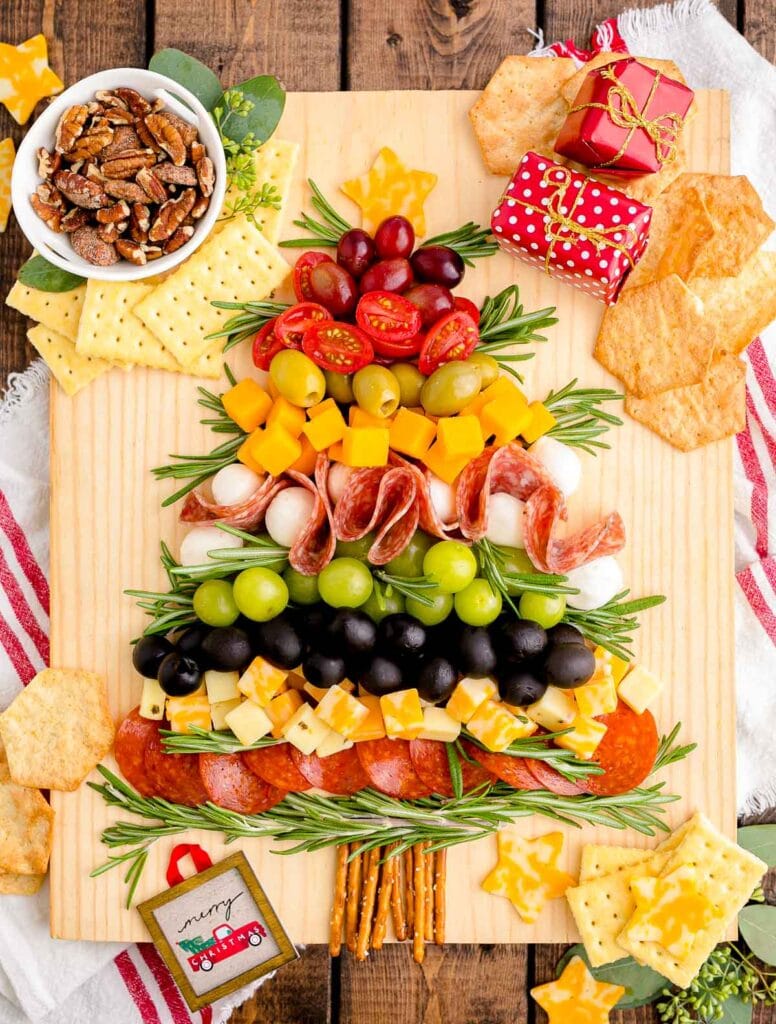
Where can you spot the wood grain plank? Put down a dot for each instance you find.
(293, 39)
(433, 44)
(759, 26)
(300, 993)
(116, 38)
(576, 19)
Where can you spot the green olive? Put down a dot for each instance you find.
(297, 378)
(450, 387)
(411, 382)
(489, 369)
(376, 390)
(339, 386)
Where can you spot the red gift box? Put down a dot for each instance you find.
(626, 119)
(573, 227)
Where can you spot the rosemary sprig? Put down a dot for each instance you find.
(470, 241)
(492, 560)
(324, 233)
(418, 587)
(504, 324)
(454, 765)
(267, 197)
(224, 562)
(200, 741)
(538, 747)
(252, 316)
(169, 610)
(668, 752)
(612, 625)
(581, 418)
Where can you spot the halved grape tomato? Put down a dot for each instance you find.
(339, 347)
(302, 269)
(291, 325)
(453, 337)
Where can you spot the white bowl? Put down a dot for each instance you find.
(56, 247)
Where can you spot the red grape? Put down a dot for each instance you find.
(438, 264)
(334, 288)
(433, 301)
(356, 251)
(387, 276)
(395, 237)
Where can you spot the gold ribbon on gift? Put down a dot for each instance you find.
(558, 216)
(624, 112)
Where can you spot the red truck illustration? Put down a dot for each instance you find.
(225, 942)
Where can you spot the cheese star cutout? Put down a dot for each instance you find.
(7, 154)
(25, 77)
(670, 911)
(527, 873)
(576, 997)
(389, 188)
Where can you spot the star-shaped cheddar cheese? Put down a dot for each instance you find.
(25, 77)
(389, 188)
(527, 872)
(576, 997)
(670, 910)
(7, 154)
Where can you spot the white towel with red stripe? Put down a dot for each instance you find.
(49, 981)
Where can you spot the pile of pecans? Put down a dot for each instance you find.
(126, 179)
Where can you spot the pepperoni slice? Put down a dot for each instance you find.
(388, 765)
(340, 774)
(429, 759)
(550, 778)
(244, 515)
(545, 511)
(626, 753)
(132, 739)
(276, 766)
(515, 771)
(174, 776)
(314, 547)
(230, 783)
(380, 499)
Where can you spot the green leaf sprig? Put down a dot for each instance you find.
(324, 233)
(470, 241)
(265, 197)
(249, 318)
(581, 418)
(38, 273)
(504, 324)
(612, 625)
(493, 561)
(418, 587)
(169, 610)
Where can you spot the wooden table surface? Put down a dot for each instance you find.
(329, 45)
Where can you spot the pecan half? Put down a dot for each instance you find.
(91, 143)
(206, 176)
(80, 190)
(199, 209)
(128, 164)
(167, 137)
(197, 152)
(90, 247)
(188, 131)
(138, 104)
(179, 238)
(48, 163)
(171, 215)
(76, 218)
(139, 222)
(119, 115)
(125, 138)
(173, 175)
(91, 171)
(131, 251)
(151, 185)
(129, 190)
(50, 214)
(153, 252)
(113, 214)
(47, 193)
(110, 99)
(70, 126)
(145, 136)
(108, 232)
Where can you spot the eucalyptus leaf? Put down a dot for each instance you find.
(757, 925)
(736, 1011)
(642, 985)
(759, 840)
(268, 98)
(190, 73)
(38, 273)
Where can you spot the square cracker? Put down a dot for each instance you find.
(236, 265)
(656, 337)
(697, 414)
(521, 108)
(25, 829)
(71, 370)
(726, 875)
(110, 330)
(59, 311)
(741, 223)
(274, 162)
(598, 861)
(57, 729)
(741, 306)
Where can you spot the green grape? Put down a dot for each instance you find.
(214, 603)
(410, 561)
(516, 561)
(301, 589)
(345, 583)
(260, 594)
(355, 548)
(380, 604)
(451, 565)
(478, 604)
(545, 609)
(431, 616)
(277, 564)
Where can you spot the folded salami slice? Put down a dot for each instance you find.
(132, 739)
(545, 511)
(509, 469)
(314, 548)
(428, 516)
(245, 515)
(380, 499)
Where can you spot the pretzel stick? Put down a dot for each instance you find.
(368, 895)
(387, 882)
(429, 901)
(409, 870)
(397, 903)
(353, 901)
(440, 875)
(418, 938)
(338, 904)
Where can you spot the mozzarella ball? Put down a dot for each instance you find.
(288, 514)
(442, 498)
(597, 581)
(234, 484)
(197, 542)
(505, 520)
(561, 462)
(339, 474)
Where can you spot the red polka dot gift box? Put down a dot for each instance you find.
(571, 226)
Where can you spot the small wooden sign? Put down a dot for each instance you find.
(217, 931)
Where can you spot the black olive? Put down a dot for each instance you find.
(312, 623)
(148, 654)
(323, 669)
(178, 675)
(568, 665)
(189, 640)
(382, 676)
(519, 639)
(521, 687)
(476, 652)
(227, 648)
(437, 679)
(279, 642)
(565, 633)
(353, 633)
(401, 638)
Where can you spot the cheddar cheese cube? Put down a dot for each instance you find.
(244, 455)
(152, 700)
(260, 682)
(274, 448)
(402, 714)
(598, 696)
(335, 453)
(365, 446)
(541, 421)
(468, 695)
(306, 461)
(281, 708)
(503, 386)
(618, 665)
(459, 437)
(321, 407)
(219, 711)
(494, 726)
(221, 685)
(556, 710)
(325, 429)
(372, 727)
(296, 681)
(248, 722)
(358, 417)
(319, 692)
(248, 404)
(286, 415)
(440, 465)
(411, 433)
(586, 734)
(504, 418)
(439, 724)
(341, 711)
(304, 730)
(183, 712)
(333, 744)
(639, 689)
(527, 725)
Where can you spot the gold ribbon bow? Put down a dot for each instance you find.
(624, 112)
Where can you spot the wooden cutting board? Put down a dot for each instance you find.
(106, 524)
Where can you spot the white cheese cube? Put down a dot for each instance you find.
(221, 686)
(639, 689)
(219, 711)
(402, 714)
(184, 712)
(468, 695)
(584, 737)
(494, 726)
(439, 725)
(556, 710)
(152, 700)
(333, 744)
(248, 722)
(341, 712)
(305, 730)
